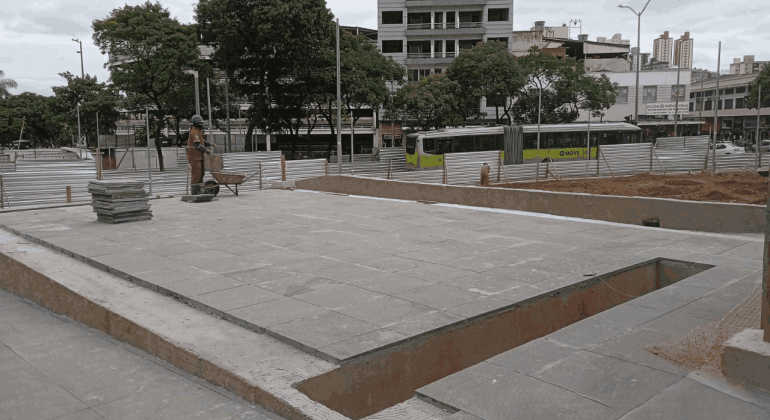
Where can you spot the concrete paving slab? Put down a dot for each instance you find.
(43, 404)
(438, 296)
(631, 347)
(532, 357)
(316, 331)
(237, 297)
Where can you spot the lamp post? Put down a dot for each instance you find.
(676, 107)
(82, 72)
(339, 106)
(197, 98)
(638, 55)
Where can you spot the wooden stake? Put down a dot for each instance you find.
(283, 168)
(69, 194)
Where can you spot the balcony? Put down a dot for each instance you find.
(418, 26)
(418, 55)
(471, 24)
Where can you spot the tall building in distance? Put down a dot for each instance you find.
(644, 58)
(663, 47)
(747, 66)
(683, 51)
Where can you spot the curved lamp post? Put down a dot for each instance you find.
(638, 55)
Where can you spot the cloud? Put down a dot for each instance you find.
(61, 26)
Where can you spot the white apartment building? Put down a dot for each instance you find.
(683, 51)
(426, 35)
(663, 47)
(747, 66)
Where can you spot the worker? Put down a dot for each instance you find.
(196, 147)
(484, 175)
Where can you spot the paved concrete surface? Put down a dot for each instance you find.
(54, 368)
(342, 276)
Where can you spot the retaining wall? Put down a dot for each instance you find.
(673, 214)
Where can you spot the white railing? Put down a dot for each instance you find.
(418, 26)
(471, 24)
(418, 55)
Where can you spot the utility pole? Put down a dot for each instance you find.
(676, 107)
(339, 106)
(638, 55)
(82, 71)
(208, 99)
(716, 109)
(229, 146)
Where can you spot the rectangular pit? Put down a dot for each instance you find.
(388, 377)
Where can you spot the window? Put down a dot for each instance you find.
(677, 91)
(463, 144)
(692, 106)
(466, 44)
(392, 47)
(622, 96)
(721, 92)
(438, 46)
(450, 48)
(438, 70)
(415, 75)
(392, 18)
(709, 93)
(728, 104)
(650, 94)
(720, 104)
(450, 18)
(411, 145)
(497, 15)
(503, 40)
(692, 95)
(709, 105)
(741, 89)
(729, 91)
(739, 103)
(470, 19)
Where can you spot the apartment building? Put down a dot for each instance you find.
(644, 58)
(683, 51)
(735, 119)
(747, 66)
(425, 35)
(663, 47)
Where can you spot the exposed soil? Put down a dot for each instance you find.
(729, 187)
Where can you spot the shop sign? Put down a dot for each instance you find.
(667, 108)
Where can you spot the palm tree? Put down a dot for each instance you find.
(6, 84)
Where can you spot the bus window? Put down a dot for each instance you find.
(411, 145)
(609, 137)
(429, 146)
(530, 141)
(463, 144)
(444, 146)
(489, 142)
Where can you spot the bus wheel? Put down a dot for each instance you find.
(548, 159)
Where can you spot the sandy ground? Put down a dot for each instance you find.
(729, 187)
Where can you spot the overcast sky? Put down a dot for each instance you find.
(35, 36)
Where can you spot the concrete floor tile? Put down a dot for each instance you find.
(461, 415)
(435, 272)
(295, 284)
(393, 264)
(21, 319)
(262, 274)
(40, 404)
(230, 411)
(389, 283)
(362, 344)
(336, 296)
(115, 384)
(688, 399)
(125, 257)
(632, 347)
(484, 283)
(316, 331)
(494, 393)
(239, 246)
(629, 315)
(438, 296)
(212, 283)
(276, 312)
(707, 308)
(21, 380)
(425, 323)
(481, 306)
(522, 272)
(522, 293)
(149, 265)
(349, 273)
(87, 414)
(619, 384)
(588, 333)
(354, 255)
(9, 360)
(385, 310)
(477, 263)
(532, 357)
(673, 324)
(237, 297)
(312, 264)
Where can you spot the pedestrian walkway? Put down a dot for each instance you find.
(52, 367)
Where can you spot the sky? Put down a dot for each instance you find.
(36, 36)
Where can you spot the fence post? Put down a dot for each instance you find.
(260, 176)
(499, 165)
(2, 193)
(652, 149)
(283, 168)
(69, 194)
(598, 158)
(390, 168)
(446, 175)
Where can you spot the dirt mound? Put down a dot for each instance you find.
(728, 187)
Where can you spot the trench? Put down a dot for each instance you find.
(369, 385)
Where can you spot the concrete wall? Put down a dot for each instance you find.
(673, 214)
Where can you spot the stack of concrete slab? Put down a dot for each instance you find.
(119, 201)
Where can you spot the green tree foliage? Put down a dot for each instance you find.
(148, 50)
(763, 79)
(566, 89)
(93, 97)
(489, 70)
(276, 53)
(33, 111)
(431, 103)
(6, 84)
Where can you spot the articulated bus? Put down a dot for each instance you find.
(425, 150)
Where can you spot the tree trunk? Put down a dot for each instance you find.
(158, 148)
(249, 134)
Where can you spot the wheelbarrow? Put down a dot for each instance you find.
(214, 164)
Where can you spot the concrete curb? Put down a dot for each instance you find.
(673, 214)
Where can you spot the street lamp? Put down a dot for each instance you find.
(197, 99)
(638, 55)
(82, 72)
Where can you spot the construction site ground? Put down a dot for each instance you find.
(265, 292)
(728, 187)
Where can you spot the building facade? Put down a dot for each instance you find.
(736, 118)
(644, 58)
(683, 51)
(425, 35)
(747, 66)
(663, 47)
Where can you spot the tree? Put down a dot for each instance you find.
(274, 52)
(431, 103)
(489, 70)
(566, 89)
(93, 97)
(148, 50)
(31, 110)
(763, 79)
(6, 84)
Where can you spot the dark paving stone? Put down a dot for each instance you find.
(355, 255)
(393, 264)
(632, 347)
(385, 311)
(629, 315)
(671, 297)
(617, 383)
(688, 399)
(587, 333)
(349, 273)
(479, 306)
(336, 295)
(707, 308)
(476, 263)
(316, 331)
(673, 324)
(212, 283)
(438, 296)
(295, 284)
(435, 272)
(388, 284)
(362, 344)
(276, 312)
(522, 273)
(532, 357)
(424, 323)
(518, 294)
(494, 393)
(237, 297)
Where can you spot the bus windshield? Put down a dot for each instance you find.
(411, 145)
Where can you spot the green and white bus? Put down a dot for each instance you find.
(426, 149)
